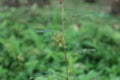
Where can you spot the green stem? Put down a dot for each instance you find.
(64, 43)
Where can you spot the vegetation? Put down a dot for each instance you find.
(18, 3)
(90, 1)
(116, 7)
(30, 43)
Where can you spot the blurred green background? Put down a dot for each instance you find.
(28, 52)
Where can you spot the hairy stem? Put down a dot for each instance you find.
(64, 43)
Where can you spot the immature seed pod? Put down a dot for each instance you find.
(60, 1)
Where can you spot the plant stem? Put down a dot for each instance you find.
(64, 43)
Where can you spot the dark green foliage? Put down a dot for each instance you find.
(27, 51)
(90, 1)
(18, 3)
(15, 3)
